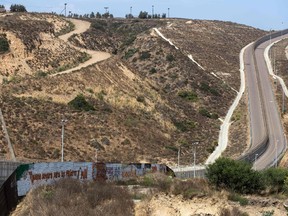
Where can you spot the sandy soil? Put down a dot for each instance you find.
(96, 56)
(163, 205)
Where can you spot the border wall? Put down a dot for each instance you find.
(263, 145)
(6, 169)
(8, 195)
(33, 175)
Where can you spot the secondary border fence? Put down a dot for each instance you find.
(8, 195)
(263, 145)
(249, 156)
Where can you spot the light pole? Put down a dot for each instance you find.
(283, 101)
(63, 121)
(179, 156)
(96, 155)
(168, 12)
(152, 11)
(276, 151)
(65, 8)
(106, 9)
(270, 36)
(256, 155)
(131, 12)
(194, 154)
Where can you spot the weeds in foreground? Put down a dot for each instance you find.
(71, 197)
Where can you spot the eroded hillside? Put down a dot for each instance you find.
(34, 45)
(149, 98)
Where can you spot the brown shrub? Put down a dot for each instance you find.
(191, 188)
(71, 197)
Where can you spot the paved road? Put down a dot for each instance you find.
(258, 88)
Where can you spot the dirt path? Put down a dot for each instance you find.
(96, 56)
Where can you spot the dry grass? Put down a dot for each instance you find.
(70, 197)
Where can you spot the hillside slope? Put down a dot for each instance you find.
(149, 98)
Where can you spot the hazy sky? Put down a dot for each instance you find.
(264, 14)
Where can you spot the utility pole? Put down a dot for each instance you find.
(179, 156)
(63, 121)
(256, 155)
(65, 8)
(276, 158)
(283, 102)
(194, 154)
(96, 155)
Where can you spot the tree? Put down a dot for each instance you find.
(98, 15)
(2, 6)
(163, 15)
(92, 15)
(143, 15)
(17, 8)
(80, 103)
(237, 176)
(129, 16)
(106, 15)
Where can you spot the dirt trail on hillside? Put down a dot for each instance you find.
(96, 56)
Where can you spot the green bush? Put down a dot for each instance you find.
(145, 55)
(274, 179)
(205, 112)
(140, 99)
(207, 88)
(129, 40)
(185, 125)
(130, 53)
(238, 198)
(153, 70)
(237, 176)
(188, 95)
(80, 103)
(40, 74)
(170, 58)
(99, 25)
(4, 45)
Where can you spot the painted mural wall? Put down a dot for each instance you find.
(33, 175)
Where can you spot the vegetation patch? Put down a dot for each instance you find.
(145, 55)
(130, 53)
(4, 44)
(80, 103)
(237, 176)
(238, 198)
(185, 126)
(207, 88)
(170, 58)
(68, 28)
(81, 198)
(188, 95)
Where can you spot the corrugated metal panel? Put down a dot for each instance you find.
(6, 169)
(8, 195)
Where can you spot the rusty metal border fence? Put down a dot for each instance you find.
(8, 195)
